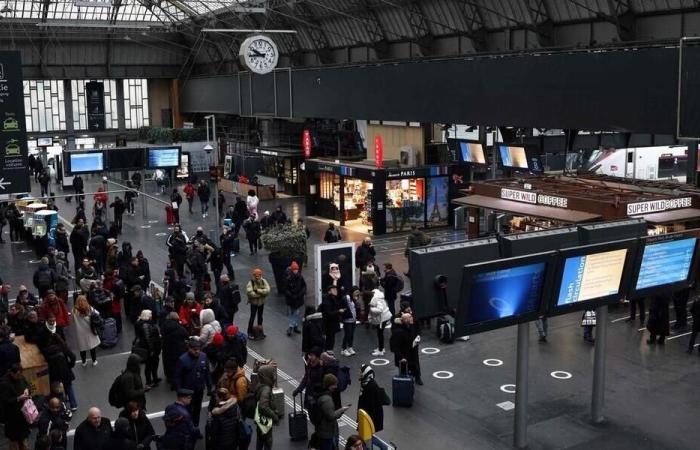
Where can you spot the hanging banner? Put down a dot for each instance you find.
(306, 143)
(378, 152)
(14, 173)
(95, 105)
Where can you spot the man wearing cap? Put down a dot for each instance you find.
(327, 422)
(235, 345)
(192, 372)
(257, 291)
(181, 432)
(294, 295)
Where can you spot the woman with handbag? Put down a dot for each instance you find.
(86, 319)
(14, 392)
(372, 397)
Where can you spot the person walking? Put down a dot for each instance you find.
(119, 208)
(192, 372)
(174, 337)
(658, 325)
(93, 432)
(204, 193)
(189, 194)
(129, 197)
(175, 202)
(251, 202)
(140, 428)
(148, 338)
(257, 291)
(3, 220)
(352, 306)
(86, 336)
(294, 295)
(210, 326)
(14, 391)
(680, 307)
(223, 429)
(44, 179)
(379, 317)
(131, 383)
(253, 231)
(372, 397)
(392, 284)
(267, 379)
(120, 438)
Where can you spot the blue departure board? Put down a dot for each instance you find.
(666, 263)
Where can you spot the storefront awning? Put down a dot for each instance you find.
(674, 216)
(526, 209)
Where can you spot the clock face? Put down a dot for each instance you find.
(259, 54)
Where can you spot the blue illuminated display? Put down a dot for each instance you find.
(666, 263)
(86, 162)
(163, 157)
(505, 293)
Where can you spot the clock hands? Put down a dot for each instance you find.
(256, 54)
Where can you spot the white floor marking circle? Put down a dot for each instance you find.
(379, 362)
(508, 388)
(443, 375)
(561, 375)
(152, 221)
(430, 350)
(492, 362)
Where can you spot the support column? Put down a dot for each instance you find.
(121, 114)
(175, 103)
(520, 432)
(70, 128)
(601, 339)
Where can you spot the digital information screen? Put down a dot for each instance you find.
(513, 157)
(666, 263)
(86, 162)
(163, 157)
(505, 293)
(593, 276)
(472, 152)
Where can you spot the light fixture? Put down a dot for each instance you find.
(208, 148)
(240, 30)
(82, 24)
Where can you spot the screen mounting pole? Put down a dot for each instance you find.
(520, 432)
(601, 337)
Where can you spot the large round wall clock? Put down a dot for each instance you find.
(259, 54)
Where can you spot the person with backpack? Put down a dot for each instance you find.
(86, 334)
(266, 415)
(379, 316)
(229, 297)
(234, 381)
(392, 284)
(174, 337)
(372, 397)
(192, 372)
(325, 415)
(312, 330)
(235, 345)
(204, 193)
(332, 234)
(294, 295)
(312, 381)
(44, 278)
(128, 386)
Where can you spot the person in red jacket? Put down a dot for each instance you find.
(189, 194)
(190, 309)
(54, 305)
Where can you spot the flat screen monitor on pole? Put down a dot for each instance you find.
(163, 158)
(513, 157)
(125, 158)
(86, 162)
(504, 292)
(472, 152)
(664, 263)
(592, 276)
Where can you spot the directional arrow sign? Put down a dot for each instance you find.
(4, 183)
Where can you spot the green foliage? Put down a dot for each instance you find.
(285, 240)
(159, 135)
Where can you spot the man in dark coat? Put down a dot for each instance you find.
(294, 295)
(9, 352)
(332, 311)
(14, 391)
(240, 214)
(230, 297)
(404, 343)
(79, 238)
(235, 345)
(119, 208)
(132, 383)
(54, 417)
(120, 439)
(96, 247)
(658, 324)
(392, 284)
(279, 217)
(78, 187)
(364, 253)
(228, 244)
(192, 372)
(181, 431)
(204, 193)
(94, 432)
(312, 330)
(174, 337)
(372, 397)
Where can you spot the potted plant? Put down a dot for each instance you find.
(286, 243)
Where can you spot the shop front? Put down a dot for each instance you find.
(273, 166)
(378, 201)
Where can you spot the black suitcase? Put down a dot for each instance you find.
(298, 429)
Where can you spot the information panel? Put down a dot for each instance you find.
(86, 162)
(14, 173)
(593, 276)
(513, 157)
(472, 152)
(666, 263)
(163, 157)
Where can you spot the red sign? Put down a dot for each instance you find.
(378, 152)
(306, 143)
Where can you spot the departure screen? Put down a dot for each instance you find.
(513, 157)
(505, 293)
(472, 152)
(163, 157)
(86, 162)
(666, 263)
(588, 277)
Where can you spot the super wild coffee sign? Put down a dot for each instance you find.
(654, 206)
(534, 198)
(14, 174)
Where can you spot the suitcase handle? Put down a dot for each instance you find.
(301, 402)
(403, 367)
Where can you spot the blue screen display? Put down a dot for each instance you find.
(163, 157)
(505, 293)
(666, 263)
(86, 162)
(592, 276)
(505, 156)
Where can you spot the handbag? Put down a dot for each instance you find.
(263, 423)
(29, 411)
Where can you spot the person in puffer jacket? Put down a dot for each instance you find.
(210, 326)
(148, 337)
(266, 407)
(379, 316)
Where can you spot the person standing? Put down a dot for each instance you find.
(44, 179)
(230, 297)
(220, 203)
(14, 391)
(588, 322)
(120, 438)
(224, 420)
(79, 238)
(416, 239)
(266, 407)
(3, 220)
(680, 306)
(253, 230)
(92, 433)
(379, 316)
(372, 397)
(175, 202)
(352, 306)
(174, 345)
(240, 213)
(332, 311)
(332, 234)
(404, 344)
(129, 197)
(78, 187)
(657, 324)
(192, 373)
(181, 431)
(294, 295)
(327, 423)
(228, 245)
(131, 383)
(364, 253)
(140, 427)
(148, 337)
(189, 194)
(279, 217)
(119, 207)
(204, 193)
(392, 284)
(257, 291)
(695, 314)
(86, 337)
(634, 304)
(14, 219)
(252, 203)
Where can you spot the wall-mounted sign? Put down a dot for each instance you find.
(14, 175)
(306, 143)
(378, 151)
(551, 200)
(654, 206)
(95, 105)
(534, 198)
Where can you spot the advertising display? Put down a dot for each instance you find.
(664, 262)
(95, 105)
(592, 276)
(472, 152)
(503, 292)
(14, 173)
(342, 254)
(163, 158)
(86, 162)
(513, 157)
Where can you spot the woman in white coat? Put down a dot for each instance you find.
(87, 340)
(379, 316)
(252, 203)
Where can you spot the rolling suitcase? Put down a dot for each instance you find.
(298, 429)
(278, 400)
(402, 387)
(109, 336)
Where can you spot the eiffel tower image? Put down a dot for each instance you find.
(435, 214)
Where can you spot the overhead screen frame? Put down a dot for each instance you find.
(631, 245)
(168, 147)
(471, 270)
(668, 287)
(111, 158)
(84, 152)
(459, 142)
(509, 146)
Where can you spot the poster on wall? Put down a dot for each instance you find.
(14, 175)
(95, 105)
(436, 197)
(342, 254)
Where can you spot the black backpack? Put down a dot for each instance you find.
(445, 330)
(116, 394)
(43, 279)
